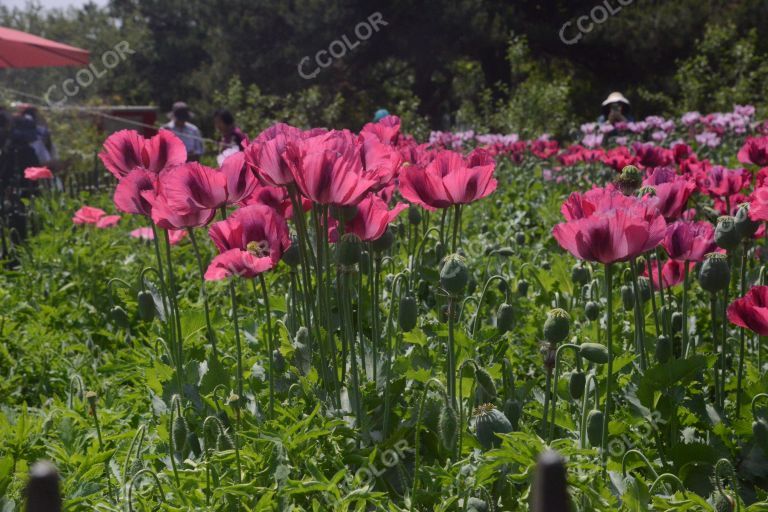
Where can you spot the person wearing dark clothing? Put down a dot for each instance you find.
(230, 135)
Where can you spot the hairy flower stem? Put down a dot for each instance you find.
(451, 354)
(175, 307)
(742, 334)
(653, 297)
(639, 320)
(456, 224)
(270, 346)
(204, 291)
(713, 321)
(686, 287)
(346, 303)
(609, 344)
(238, 346)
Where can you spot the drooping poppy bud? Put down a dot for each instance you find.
(119, 316)
(146, 305)
(407, 313)
(179, 431)
(520, 238)
(595, 427)
(715, 274)
(760, 432)
(490, 421)
(550, 485)
(349, 249)
(594, 352)
(576, 384)
(448, 426)
(663, 349)
(414, 215)
(513, 410)
(454, 274)
(580, 274)
(591, 310)
(485, 380)
(384, 242)
(627, 297)
(677, 322)
(504, 318)
(557, 325)
(726, 235)
(522, 288)
(291, 256)
(644, 287)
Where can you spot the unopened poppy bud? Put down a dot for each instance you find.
(576, 383)
(644, 287)
(454, 274)
(522, 287)
(489, 421)
(476, 505)
(591, 310)
(302, 335)
(629, 180)
(146, 305)
(594, 352)
(291, 256)
(677, 322)
(92, 398)
(550, 486)
(663, 349)
(43, 488)
(349, 249)
(279, 360)
(627, 297)
(439, 250)
(448, 426)
(726, 235)
(595, 427)
(557, 325)
(504, 318)
(407, 313)
(513, 410)
(119, 316)
(723, 502)
(179, 431)
(745, 226)
(485, 380)
(414, 215)
(384, 242)
(580, 274)
(760, 432)
(715, 274)
(520, 238)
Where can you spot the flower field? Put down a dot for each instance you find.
(338, 321)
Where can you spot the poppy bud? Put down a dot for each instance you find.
(407, 313)
(550, 486)
(595, 427)
(224, 442)
(677, 322)
(490, 421)
(745, 226)
(646, 191)
(471, 284)
(520, 238)
(384, 242)
(522, 288)
(414, 215)
(580, 274)
(291, 255)
(513, 410)
(302, 335)
(644, 287)
(146, 305)
(715, 274)
(92, 398)
(504, 318)
(503, 286)
(545, 265)
(454, 274)
(365, 257)
(119, 316)
(576, 384)
(43, 488)
(448, 426)
(349, 249)
(439, 250)
(629, 180)
(278, 361)
(663, 349)
(594, 352)
(726, 235)
(557, 325)
(485, 380)
(591, 310)
(760, 432)
(723, 502)
(179, 431)
(628, 297)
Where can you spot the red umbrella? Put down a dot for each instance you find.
(21, 50)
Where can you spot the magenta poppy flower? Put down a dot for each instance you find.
(672, 273)
(266, 154)
(190, 187)
(107, 221)
(373, 217)
(672, 197)
(251, 241)
(722, 182)
(88, 215)
(751, 311)
(449, 179)
(175, 235)
(612, 236)
(240, 180)
(618, 158)
(386, 130)
(758, 207)
(754, 151)
(128, 198)
(37, 173)
(689, 241)
(127, 149)
(166, 217)
(650, 155)
(544, 149)
(579, 206)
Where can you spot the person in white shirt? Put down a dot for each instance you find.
(188, 133)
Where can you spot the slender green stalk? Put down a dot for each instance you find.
(173, 299)
(713, 314)
(238, 346)
(639, 319)
(270, 346)
(451, 354)
(204, 291)
(456, 224)
(742, 333)
(686, 287)
(609, 344)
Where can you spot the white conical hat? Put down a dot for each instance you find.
(615, 97)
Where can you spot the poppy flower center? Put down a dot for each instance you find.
(259, 248)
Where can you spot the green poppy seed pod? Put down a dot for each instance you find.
(677, 322)
(92, 398)
(715, 274)
(43, 488)
(591, 310)
(580, 274)
(490, 421)
(663, 349)
(448, 427)
(723, 502)
(745, 226)
(760, 432)
(146, 305)
(595, 427)
(291, 256)
(384, 242)
(119, 316)
(576, 384)
(505, 318)
(644, 287)
(179, 431)
(407, 313)
(630, 180)
(414, 215)
(726, 235)
(557, 325)
(454, 274)
(550, 485)
(349, 249)
(513, 410)
(628, 297)
(594, 352)
(522, 288)
(520, 238)
(485, 380)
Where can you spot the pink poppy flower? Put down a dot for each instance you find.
(127, 149)
(754, 151)
(128, 198)
(579, 206)
(107, 221)
(88, 215)
(373, 217)
(190, 187)
(37, 173)
(672, 273)
(240, 180)
(175, 236)
(751, 311)
(169, 218)
(722, 182)
(266, 154)
(672, 197)
(544, 149)
(618, 158)
(386, 130)
(758, 207)
(689, 241)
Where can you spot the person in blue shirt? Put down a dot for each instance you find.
(188, 133)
